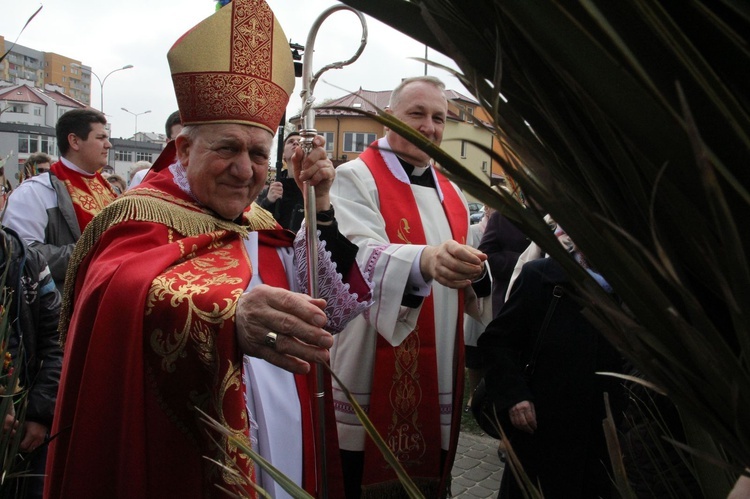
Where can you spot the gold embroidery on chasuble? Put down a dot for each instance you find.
(91, 202)
(405, 436)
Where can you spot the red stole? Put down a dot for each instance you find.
(404, 405)
(89, 193)
(272, 273)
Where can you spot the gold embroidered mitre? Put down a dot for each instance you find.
(233, 67)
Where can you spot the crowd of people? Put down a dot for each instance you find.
(140, 310)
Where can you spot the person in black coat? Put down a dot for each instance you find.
(503, 243)
(33, 316)
(553, 417)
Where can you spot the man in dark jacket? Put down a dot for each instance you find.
(33, 342)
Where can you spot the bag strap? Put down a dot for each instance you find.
(556, 294)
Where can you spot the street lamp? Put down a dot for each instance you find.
(135, 131)
(101, 81)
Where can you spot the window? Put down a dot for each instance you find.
(470, 115)
(123, 156)
(143, 156)
(37, 111)
(463, 149)
(28, 143)
(48, 145)
(329, 141)
(357, 142)
(63, 79)
(63, 68)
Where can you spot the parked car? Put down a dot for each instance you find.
(474, 207)
(477, 216)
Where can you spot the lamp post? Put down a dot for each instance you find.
(101, 81)
(135, 130)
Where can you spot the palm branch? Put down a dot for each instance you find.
(629, 123)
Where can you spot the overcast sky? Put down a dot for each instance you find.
(107, 35)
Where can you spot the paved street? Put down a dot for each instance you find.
(477, 469)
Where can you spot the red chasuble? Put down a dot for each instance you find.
(152, 336)
(404, 403)
(90, 194)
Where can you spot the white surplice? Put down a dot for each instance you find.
(272, 400)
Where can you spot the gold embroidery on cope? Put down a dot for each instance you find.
(187, 288)
(405, 437)
(232, 381)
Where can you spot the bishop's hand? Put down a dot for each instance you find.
(296, 321)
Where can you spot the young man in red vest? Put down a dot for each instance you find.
(51, 210)
(403, 358)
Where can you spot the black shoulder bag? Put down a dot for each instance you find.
(483, 409)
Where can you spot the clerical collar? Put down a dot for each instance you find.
(418, 175)
(72, 166)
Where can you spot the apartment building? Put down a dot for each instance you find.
(25, 65)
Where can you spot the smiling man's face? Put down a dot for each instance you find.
(226, 165)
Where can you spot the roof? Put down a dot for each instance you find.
(135, 145)
(24, 128)
(370, 100)
(367, 100)
(62, 99)
(454, 96)
(22, 93)
(152, 136)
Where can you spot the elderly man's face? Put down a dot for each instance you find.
(226, 165)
